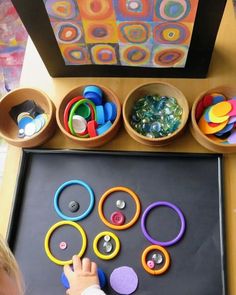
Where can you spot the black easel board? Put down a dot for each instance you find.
(193, 182)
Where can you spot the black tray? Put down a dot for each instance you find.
(193, 182)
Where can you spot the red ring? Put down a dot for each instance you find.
(92, 125)
(67, 111)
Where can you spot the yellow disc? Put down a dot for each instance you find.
(221, 109)
(95, 245)
(216, 119)
(49, 234)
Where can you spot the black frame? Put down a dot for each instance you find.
(25, 160)
(208, 18)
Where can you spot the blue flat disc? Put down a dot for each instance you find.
(24, 121)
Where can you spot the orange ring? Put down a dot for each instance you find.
(157, 271)
(104, 197)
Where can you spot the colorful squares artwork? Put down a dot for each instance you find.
(68, 32)
(135, 55)
(134, 10)
(62, 9)
(104, 54)
(155, 33)
(13, 39)
(175, 10)
(100, 32)
(75, 54)
(169, 56)
(96, 9)
(134, 32)
(172, 33)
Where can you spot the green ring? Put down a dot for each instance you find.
(84, 111)
(73, 110)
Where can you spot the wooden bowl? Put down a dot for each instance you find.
(108, 95)
(163, 89)
(228, 92)
(9, 129)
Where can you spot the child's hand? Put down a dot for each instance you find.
(83, 276)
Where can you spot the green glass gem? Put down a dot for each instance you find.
(156, 116)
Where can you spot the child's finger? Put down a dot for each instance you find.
(86, 265)
(67, 270)
(76, 263)
(93, 268)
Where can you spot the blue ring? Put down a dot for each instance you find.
(61, 188)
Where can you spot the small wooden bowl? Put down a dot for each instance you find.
(163, 89)
(9, 129)
(209, 144)
(100, 140)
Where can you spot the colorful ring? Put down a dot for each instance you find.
(143, 224)
(61, 188)
(104, 128)
(100, 115)
(157, 271)
(92, 125)
(49, 234)
(92, 89)
(95, 245)
(105, 196)
(67, 111)
(93, 93)
(73, 110)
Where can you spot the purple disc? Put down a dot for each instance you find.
(124, 280)
(232, 138)
(146, 234)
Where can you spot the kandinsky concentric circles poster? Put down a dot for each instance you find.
(123, 38)
(144, 33)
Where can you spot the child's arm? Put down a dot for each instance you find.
(84, 279)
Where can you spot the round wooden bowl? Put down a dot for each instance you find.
(228, 92)
(108, 95)
(163, 89)
(9, 129)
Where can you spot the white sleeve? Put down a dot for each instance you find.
(93, 290)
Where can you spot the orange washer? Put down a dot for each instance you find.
(157, 271)
(106, 195)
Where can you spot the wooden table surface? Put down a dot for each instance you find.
(222, 71)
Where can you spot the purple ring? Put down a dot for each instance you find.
(143, 224)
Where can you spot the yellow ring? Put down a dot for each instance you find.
(104, 197)
(95, 245)
(48, 236)
(157, 271)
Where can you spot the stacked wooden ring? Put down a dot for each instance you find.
(88, 115)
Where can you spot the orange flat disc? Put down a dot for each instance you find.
(207, 129)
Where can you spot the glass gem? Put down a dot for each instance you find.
(107, 247)
(107, 238)
(157, 258)
(120, 204)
